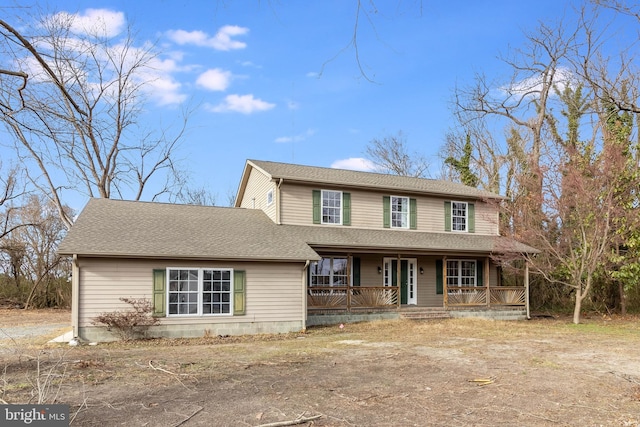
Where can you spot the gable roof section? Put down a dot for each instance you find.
(116, 228)
(405, 241)
(357, 179)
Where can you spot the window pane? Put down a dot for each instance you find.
(216, 291)
(399, 212)
(331, 207)
(459, 216)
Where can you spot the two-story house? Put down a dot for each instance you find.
(303, 245)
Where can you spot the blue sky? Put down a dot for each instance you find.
(272, 80)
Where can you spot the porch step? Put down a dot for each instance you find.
(425, 314)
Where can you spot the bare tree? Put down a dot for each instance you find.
(71, 102)
(390, 155)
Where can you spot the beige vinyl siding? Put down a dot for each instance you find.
(255, 194)
(366, 209)
(274, 291)
(427, 296)
(369, 270)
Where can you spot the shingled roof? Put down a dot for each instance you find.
(357, 179)
(117, 228)
(405, 241)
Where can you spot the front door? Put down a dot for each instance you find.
(407, 278)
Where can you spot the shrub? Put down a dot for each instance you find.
(132, 323)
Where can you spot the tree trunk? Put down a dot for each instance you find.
(578, 306)
(623, 298)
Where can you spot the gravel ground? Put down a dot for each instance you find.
(17, 324)
(16, 332)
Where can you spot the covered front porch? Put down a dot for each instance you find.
(358, 283)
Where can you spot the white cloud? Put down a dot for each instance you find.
(222, 40)
(354, 163)
(166, 91)
(245, 104)
(94, 21)
(296, 138)
(293, 105)
(531, 86)
(313, 74)
(214, 79)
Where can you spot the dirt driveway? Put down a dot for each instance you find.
(455, 372)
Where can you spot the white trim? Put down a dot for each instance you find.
(412, 285)
(200, 291)
(391, 211)
(332, 257)
(270, 197)
(459, 275)
(322, 207)
(466, 217)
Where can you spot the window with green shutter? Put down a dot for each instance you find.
(331, 207)
(198, 292)
(459, 216)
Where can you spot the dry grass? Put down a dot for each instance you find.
(537, 373)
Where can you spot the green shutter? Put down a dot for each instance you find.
(346, 208)
(386, 211)
(159, 292)
(479, 274)
(471, 218)
(356, 271)
(413, 214)
(447, 216)
(316, 206)
(239, 303)
(439, 277)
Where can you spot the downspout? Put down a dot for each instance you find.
(304, 295)
(75, 295)
(278, 202)
(526, 288)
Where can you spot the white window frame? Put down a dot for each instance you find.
(322, 207)
(331, 271)
(200, 292)
(466, 216)
(406, 214)
(459, 276)
(270, 197)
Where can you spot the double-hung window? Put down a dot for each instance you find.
(459, 216)
(200, 291)
(331, 207)
(461, 273)
(269, 197)
(330, 271)
(399, 212)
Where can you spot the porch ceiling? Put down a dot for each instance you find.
(405, 240)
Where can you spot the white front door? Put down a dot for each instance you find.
(408, 285)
